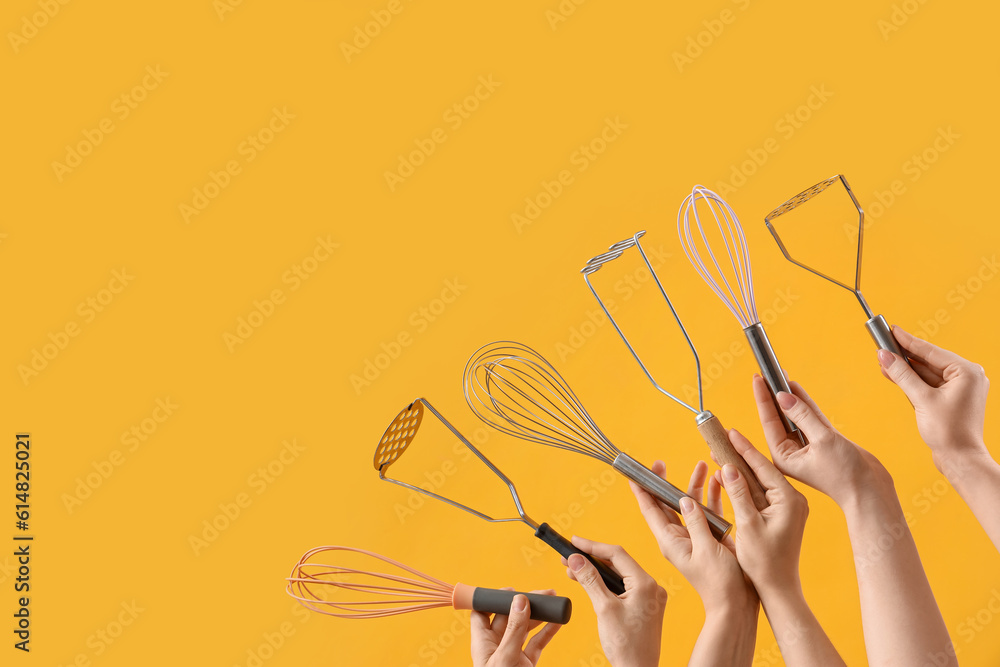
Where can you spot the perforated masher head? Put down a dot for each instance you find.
(400, 434)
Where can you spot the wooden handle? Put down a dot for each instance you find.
(718, 441)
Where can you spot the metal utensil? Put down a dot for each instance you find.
(515, 390)
(877, 327)
(708, 424)
(740, 300)
(401, 432)
(367, 594)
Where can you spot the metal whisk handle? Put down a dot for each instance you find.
(665, 491)
(881, 333)
(771, 371)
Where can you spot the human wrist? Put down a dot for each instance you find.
(873, 484)
(730, 611)
(967, 454)
(780, 592)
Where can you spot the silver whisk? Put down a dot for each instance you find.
(735, 289)
(515, 390)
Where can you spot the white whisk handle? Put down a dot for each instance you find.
(771, 371)
(666, 492)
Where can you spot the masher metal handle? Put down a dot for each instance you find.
(723, 452)
(881, 333)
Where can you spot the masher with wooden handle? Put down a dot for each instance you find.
(709, 426)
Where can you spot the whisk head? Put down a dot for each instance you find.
(347, 592)
(730, 277)
(515, 390)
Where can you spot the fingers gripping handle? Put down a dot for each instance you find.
(566, 549)
(548, 608)
(771, 371)
(718, 441)
(881, 333)
(666, 492)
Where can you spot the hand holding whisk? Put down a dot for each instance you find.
(731, 278)
(347, 592)
(515, 390)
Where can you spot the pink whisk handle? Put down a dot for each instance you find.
(548, 608)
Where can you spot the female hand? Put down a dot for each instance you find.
(830, 463)
(729, 634)
(629, 625)
(768, 544)
(948, 395)
(901, 620)
(709, 565)
(500, 642)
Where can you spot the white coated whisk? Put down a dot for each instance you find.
(730, 277)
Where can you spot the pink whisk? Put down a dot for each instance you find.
(347, 592)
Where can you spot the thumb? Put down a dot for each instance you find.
(585, 574)
(904, 377)
(516, 631)
(695, 522)
(739, 495)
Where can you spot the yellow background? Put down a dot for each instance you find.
(162, 336)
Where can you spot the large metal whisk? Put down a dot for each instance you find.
(732, 280)
(515, 390)
(708, 424)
